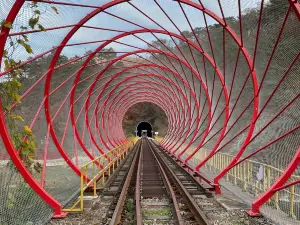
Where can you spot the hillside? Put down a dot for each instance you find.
(145, 111)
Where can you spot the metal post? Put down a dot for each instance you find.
(269, 179)
(292, 199)
(205, 165)
(81, 191)
(256, 188)
(277, 194)
(238, 171)
(234, 172)
(86, 174)
(227, 161)
(93, 175)
(264, 179)
(99, 163)
(249, 175)
(93, 170)
(223, 161)
(277, 200)
(245, 176)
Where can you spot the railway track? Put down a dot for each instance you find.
(150, 187)
(113, 189)
(155, 198)
(164, 192)
(187, 187)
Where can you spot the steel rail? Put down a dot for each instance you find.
(116, 218)
(138, 207)
(194, 208)
(175, 206)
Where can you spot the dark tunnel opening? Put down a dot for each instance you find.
(144, 126)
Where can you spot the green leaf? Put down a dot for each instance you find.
(33, 21)
(32, 145)
(25, 37)
(21, 42)
(7, 65)
(16, 117)
(7, 108)
(40, 26)
(37, 12)
(11, 43)
(15, 83)
(55, 9)
(5, 53)
(12, 62)
(6, 24)
(34, 4)
(28, 131)
(25, 150)
(28, 49)
(25, 45)
(28, 147)
(17, 97)
(20, 118)
(17, 72)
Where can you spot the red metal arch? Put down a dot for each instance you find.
(140, 82)
(181, 116)
(161, 77)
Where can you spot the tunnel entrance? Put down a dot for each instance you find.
(143, 127)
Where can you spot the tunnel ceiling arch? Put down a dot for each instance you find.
(226, 73)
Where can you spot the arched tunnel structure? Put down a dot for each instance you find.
(144, 125)
(226, 73)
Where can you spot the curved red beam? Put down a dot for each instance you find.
(126, 93)
(108, 119)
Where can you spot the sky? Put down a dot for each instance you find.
(69, 15)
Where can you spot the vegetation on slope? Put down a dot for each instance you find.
(145, 111)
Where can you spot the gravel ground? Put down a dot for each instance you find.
(220, 216)
(237, 217)
(215, 213)
(187, 216)
(96, 212)
(157, 208)
(95, 215)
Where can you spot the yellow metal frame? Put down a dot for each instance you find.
(243, 175)
(135, 139)
(159, 139)
(109, 160)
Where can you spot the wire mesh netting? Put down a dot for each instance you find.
(19, 202)
(226, 73)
